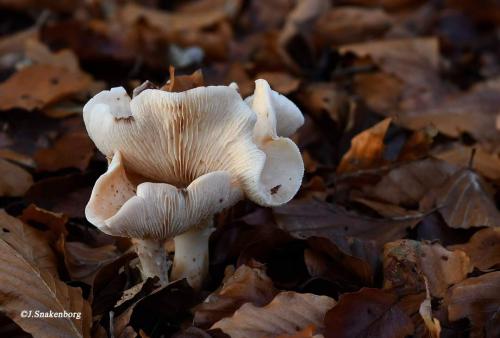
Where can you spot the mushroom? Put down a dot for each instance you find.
(176, 159)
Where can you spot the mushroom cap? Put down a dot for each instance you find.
(289, 118)
(178, 158)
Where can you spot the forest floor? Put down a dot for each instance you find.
(394, 232)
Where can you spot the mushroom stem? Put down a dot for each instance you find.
(153, 258)
(191, 254)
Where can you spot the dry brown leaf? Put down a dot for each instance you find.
(305, 218)
(483, 248)
(416, 56)
(67, 194)
(245, 285)
(54, 222)
(325, 98)
(487, 164)
(408, 262)
(308, 332)
(474, 112)
(282, 82)
(368, 313)
(341, 25)
(73, 150)
(418, 145)
(38, 53)
(14, 180)
(182, 21)
(18, 158)
(297, 32)
(28, 282)
(465, 201)
(380, 91)
(367, 149)
(65, 6)
(83, 261)
(325, 259)
(386, 209)
(398, 58)
(37, 86)
(387, 4)
(288, 313)
(475, 298)
(12, 47)
(29, 241)
(15, 43)
(407, 184)
(182, 83)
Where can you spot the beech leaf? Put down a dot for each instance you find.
(368, 313)
(245, 285)
(483, 248)
(26, 284)
(288, 313)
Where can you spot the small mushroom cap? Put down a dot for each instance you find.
(196, 153)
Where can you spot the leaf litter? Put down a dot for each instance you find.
(394, 232)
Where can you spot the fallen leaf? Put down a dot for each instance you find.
(8, 328)
(27, 284)
(305, 218)
(465, 201)
(109, 283)
(14, 180)
(28, 241)
(367, 149)
(38, 53)
(245, 285)
(53, 224)
(476, 298)
(12, 46)
(483, 248)
(325, 259)
(474, 112)
(408, 183)
(37, 86)
(65, 194)
(380, 91)
(294, 41)
(281, 82)
(368, 313)
(66, 6)
(325, 98)
(307, 332)
(83, 261)
(181, 21)
(18, 158)
(386, 209)
(160, 310)
(407, 263)
(16, 43)
(400, 57)
(183, 82)
(120, 321)
(341, 25)
(288, 313)
(72, 150)
(487, 164)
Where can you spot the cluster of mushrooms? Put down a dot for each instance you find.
(177, 159)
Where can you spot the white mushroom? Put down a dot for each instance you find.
(179, 158)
